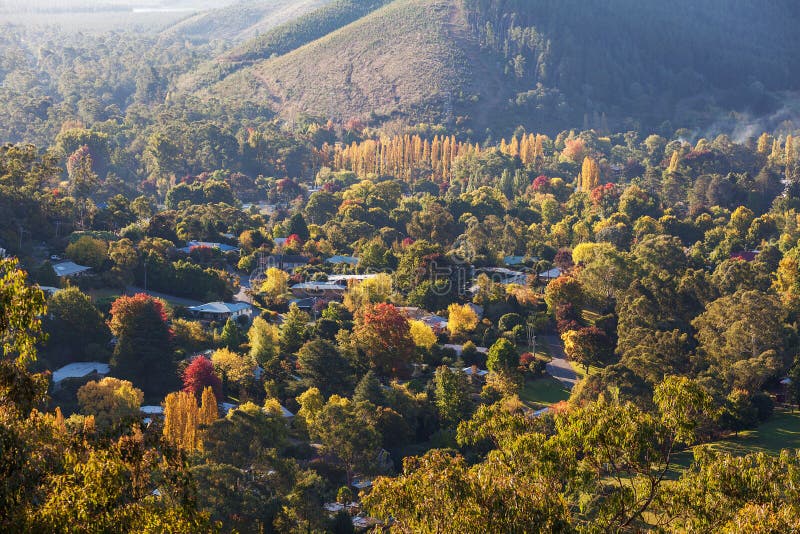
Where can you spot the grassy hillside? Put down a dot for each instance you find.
(243, 20)
(281, 39)
(486, 66)
(404, 58)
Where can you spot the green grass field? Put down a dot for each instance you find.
(782, 431)
(543, 392)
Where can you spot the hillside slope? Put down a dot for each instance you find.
(241, 21)
(494, 64)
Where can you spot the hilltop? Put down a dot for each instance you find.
(241, 21)
(485, 63)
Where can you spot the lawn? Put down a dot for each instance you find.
(782, 431)
(543, 392)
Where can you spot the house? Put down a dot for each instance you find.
(286, 262)
(66, 269)
(222, 247)
(436, 323)
(342, 260)
(221, 311)
(501, 275)
(551, 274)
(80, 370)
(513, 261)
(49, 291)
(474, 371)
(351, 277)
(151, 412)
(323, 290)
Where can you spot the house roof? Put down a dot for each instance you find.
(347, 277)
(555, 272)
(221, 246)
(69, 268)
(480, 372)
(220, 307)
(336, 260)
(318, 286)
(287, 258)
(79, 370)
(514, 260)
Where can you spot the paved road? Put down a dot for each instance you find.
(559, 368)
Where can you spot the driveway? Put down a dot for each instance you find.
(559, 368)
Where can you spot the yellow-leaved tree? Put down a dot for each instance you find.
(181, 420)
(111, 401)
(422, 334)
(209, 412)
(461, 319)
(275, 286)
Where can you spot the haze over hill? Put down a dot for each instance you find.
(242, 20)
(481, 64)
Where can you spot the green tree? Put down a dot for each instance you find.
(232, 335)
(321, 364)
(293, 330)
(451, 394)
(264, 339)
(347, 431)
(503, 357)
(143, 352)
(76, 327)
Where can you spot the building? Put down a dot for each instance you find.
(322, 290)
(436, 323)
(342, 260)
(65, 269)
(221, 311)
(348, 277)
(552, 274)
(222, 247)
(286, 262)
(80, 370)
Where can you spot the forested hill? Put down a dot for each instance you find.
(550, 65)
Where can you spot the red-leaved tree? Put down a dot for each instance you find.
(383, 333)
(200, 374)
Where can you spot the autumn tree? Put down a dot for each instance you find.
(275, 286)
(461, 319)
(422, 334)
(199, 375)
(181, 420)
(384, 335)
(111, 401)
(209, 411)
(587, 346)
(143, 353)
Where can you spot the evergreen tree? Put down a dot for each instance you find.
(143, 353)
